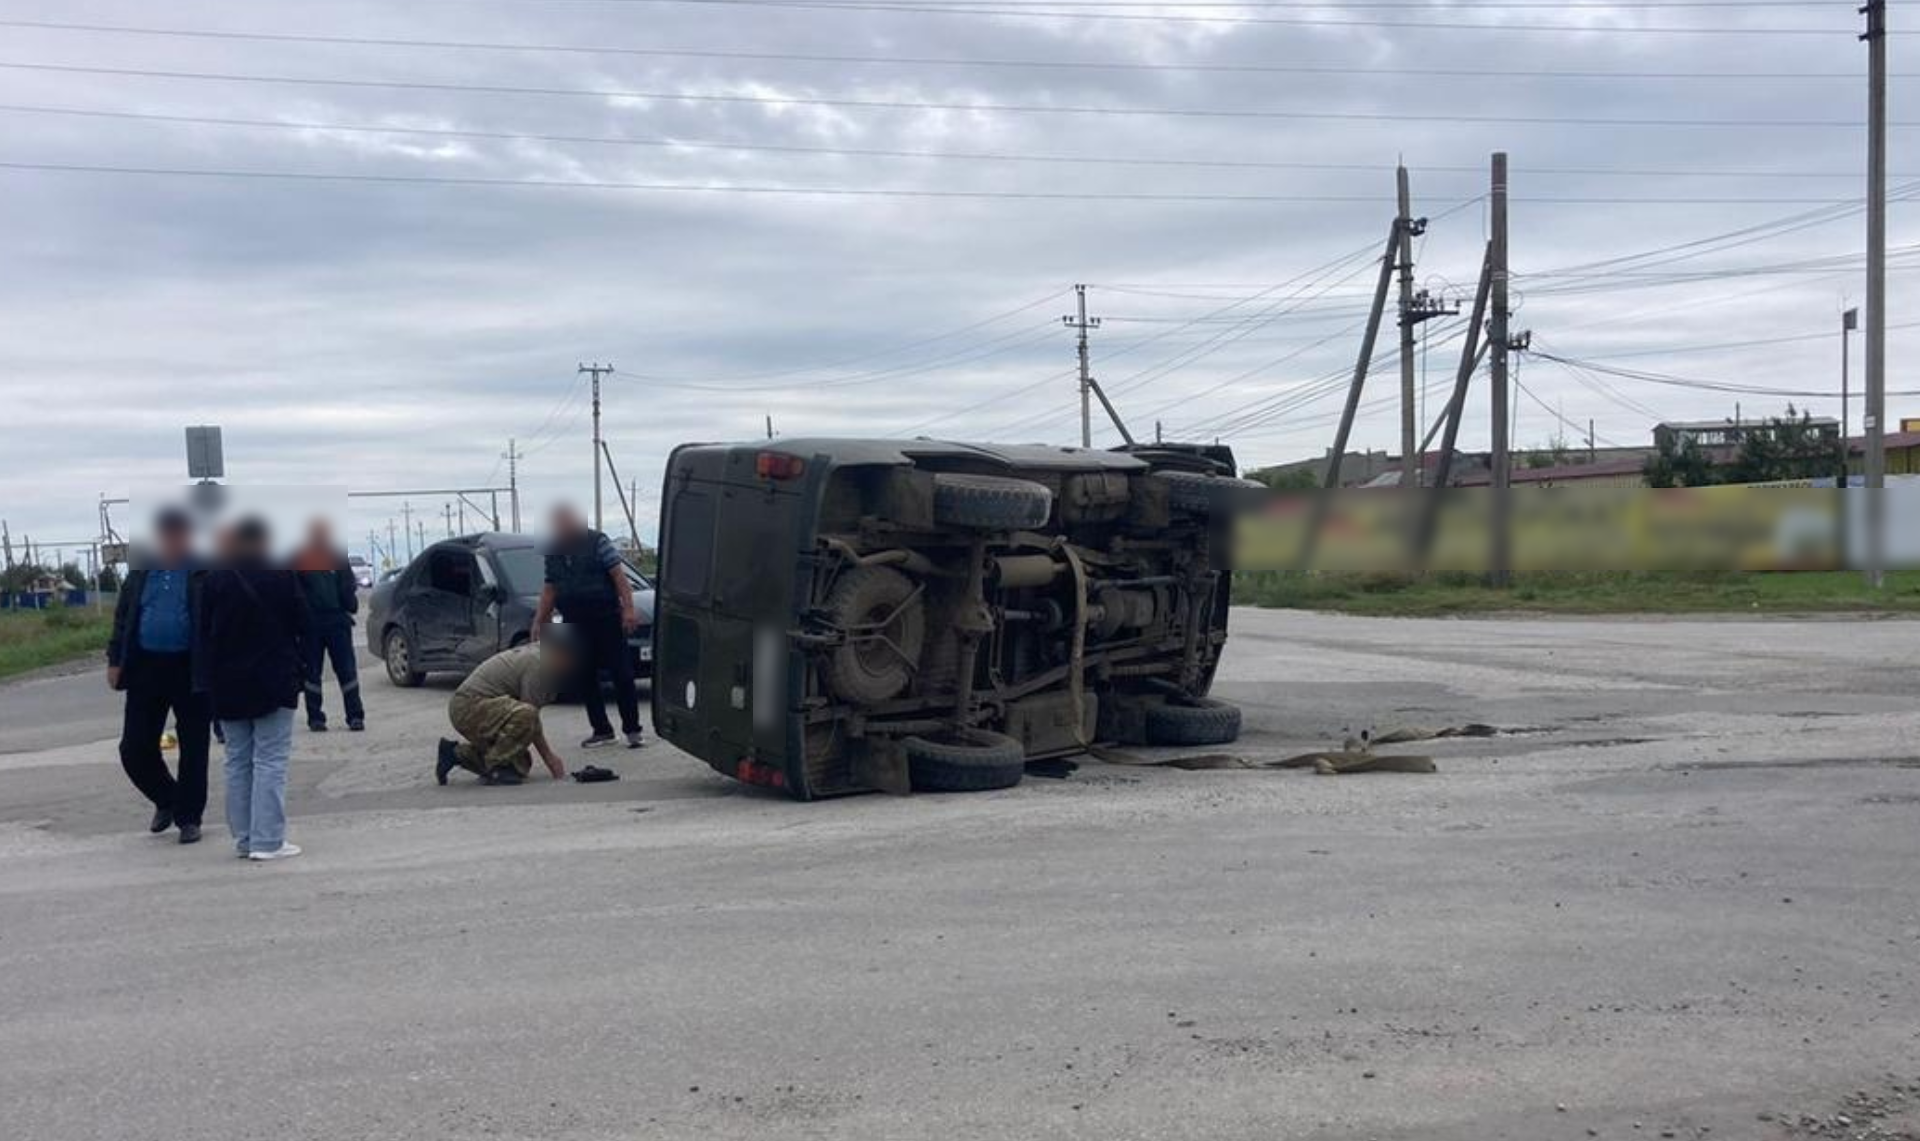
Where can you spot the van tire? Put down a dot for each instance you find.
(869, 670)
(972, 760)
(1197, 494)
(1193, 721)
(990, 502)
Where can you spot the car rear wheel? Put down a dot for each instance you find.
(398, 654)
(971, 760)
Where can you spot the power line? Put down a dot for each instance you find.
(918, 342)
(928, 105)
(1064, 11)
(823, 191)
(673, 143)
(798, 191)
(1505, 74)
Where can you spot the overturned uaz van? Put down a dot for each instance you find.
(839, 616)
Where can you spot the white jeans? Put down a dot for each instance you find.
(257, 753)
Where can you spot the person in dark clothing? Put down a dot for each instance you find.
(253, 624)
(333, 597)
(151, 657)
(587, 583)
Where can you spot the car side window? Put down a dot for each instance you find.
(452, 571)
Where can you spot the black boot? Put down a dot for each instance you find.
(162, 820)
(448, 760)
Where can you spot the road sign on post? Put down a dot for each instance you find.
(204, 458)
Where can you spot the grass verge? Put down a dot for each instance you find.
(31, 639)
(1799, 592)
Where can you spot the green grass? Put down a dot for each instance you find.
(30, 639)
(1800, 592)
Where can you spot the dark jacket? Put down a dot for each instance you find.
(123, 646)
(253, 624)
(580, 573)
(333, 597)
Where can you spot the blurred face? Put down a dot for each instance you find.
(320, 535)
(175, 541)
(567, 522)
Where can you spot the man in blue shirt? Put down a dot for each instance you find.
(150, 659)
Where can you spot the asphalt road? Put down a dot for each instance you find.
(1681, 897)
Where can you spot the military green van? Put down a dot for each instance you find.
(839, 616)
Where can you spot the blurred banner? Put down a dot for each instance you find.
(1798, 526)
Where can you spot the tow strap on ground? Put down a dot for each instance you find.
(1356, 755)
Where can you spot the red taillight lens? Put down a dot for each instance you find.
(778, 465)
(755, 772)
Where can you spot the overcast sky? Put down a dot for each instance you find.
(393, 333)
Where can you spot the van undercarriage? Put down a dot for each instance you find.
(951, 611)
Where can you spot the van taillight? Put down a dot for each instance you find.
(778, 465)
(751, 771)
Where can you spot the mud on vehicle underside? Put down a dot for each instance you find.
(844, 616)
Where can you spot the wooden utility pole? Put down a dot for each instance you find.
(1876, 410)
(1498, 346)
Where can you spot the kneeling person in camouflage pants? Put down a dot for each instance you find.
(497, 711)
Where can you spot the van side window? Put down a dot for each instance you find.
(689, 552)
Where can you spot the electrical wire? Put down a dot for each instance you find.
(1504, 74)
(1055, 11)
(735, 98)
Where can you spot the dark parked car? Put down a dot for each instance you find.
(463, 600)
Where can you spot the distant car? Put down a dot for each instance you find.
(465, 599)
(362, 572)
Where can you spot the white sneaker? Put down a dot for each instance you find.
(283, 852)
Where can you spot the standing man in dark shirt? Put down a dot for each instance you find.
(587, 582)
(253, 621)
(150, 657)
(333, 597)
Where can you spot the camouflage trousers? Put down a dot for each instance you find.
(498, 732)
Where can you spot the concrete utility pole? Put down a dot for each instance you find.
(596, 370)
(393, 548)
(1876, 413)
(448, 509)
(769, 425)
(1083, 325)
(512, 456)
(1409, 455)
(406, 513)
(1497, 366)
(1849, 321)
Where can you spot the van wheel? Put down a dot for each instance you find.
(1193, 721)
(990, 502)
(886, 622)
(971, 760)
(399, 658)
(1197, 494)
